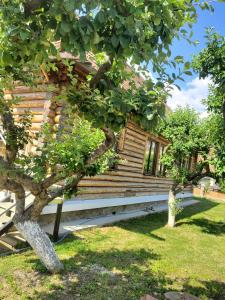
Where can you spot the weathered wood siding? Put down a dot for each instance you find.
(38, 102)
(127, 179)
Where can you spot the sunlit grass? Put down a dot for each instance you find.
(143, 255)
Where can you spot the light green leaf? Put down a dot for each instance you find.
(157, 21)
(115, 41)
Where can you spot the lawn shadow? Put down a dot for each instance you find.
(127, 275)
(213, 289)
(146, 225)
(207, 226)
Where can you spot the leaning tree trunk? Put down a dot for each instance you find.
(41, 244)
(171, 208)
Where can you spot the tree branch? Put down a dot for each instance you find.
(11, 131)
(40, 201)
(71, 185)
(31, 6)
(199, 176)
(108, 143)
(19, 192)
(105, 146)
(15, 174)
(104, 68)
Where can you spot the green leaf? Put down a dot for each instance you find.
(24, 35)
(187, 65)
(188, 73)
(101, 17)
(157, 21)
(124, 41)
(97, 38)
(178, 58)
(115, 41)
(65, 27)
(6, 58)
(69, 5)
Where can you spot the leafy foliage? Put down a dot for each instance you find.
(70, 151)
(113, 31)
(188, 136)
(211, 62)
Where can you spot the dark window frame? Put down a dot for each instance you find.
(152, 157)
(152, 165)
(162, 169)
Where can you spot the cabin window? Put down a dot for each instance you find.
(162, 169)
(151, 158)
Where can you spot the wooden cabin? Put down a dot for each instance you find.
(137, 181)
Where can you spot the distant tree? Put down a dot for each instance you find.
(114, 31)
(210, 62)
(189, 138)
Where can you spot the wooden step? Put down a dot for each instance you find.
(7, 205)
(4, 219)
(7, 208)
(6, 245)
(17, 235)
(9, 240)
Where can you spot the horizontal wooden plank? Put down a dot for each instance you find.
(96, 189)
(134, 145)
(133, 139)
(36, 126)
(34, 111)
(26, 89)
(132, 154)
(134, 127)
(157, 138)
(130, 164)
(129, 174)
(131, 158)
(126, 180)
(133, 150)
(31, 104)
(128, 168)
(35, 118)
(109, 183)
(29, 96)
(130, 132)
(115, 195)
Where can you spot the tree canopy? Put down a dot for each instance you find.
(210, 62)
(189, 137)
(187, 157)
(113, 31)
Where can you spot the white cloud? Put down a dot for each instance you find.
(192, 95)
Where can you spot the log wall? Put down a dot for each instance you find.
(38, 102)
(127, 179)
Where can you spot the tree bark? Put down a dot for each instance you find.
(41, 244)
(171, 208)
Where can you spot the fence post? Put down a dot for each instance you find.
(57, 220)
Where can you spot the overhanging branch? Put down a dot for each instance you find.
(103, 69)
(105, 146)
(16, 175)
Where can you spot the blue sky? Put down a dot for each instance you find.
(193, 89)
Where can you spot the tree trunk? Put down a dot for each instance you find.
(171, 208)
(41, 244)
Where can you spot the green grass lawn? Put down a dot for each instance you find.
(139, 256)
